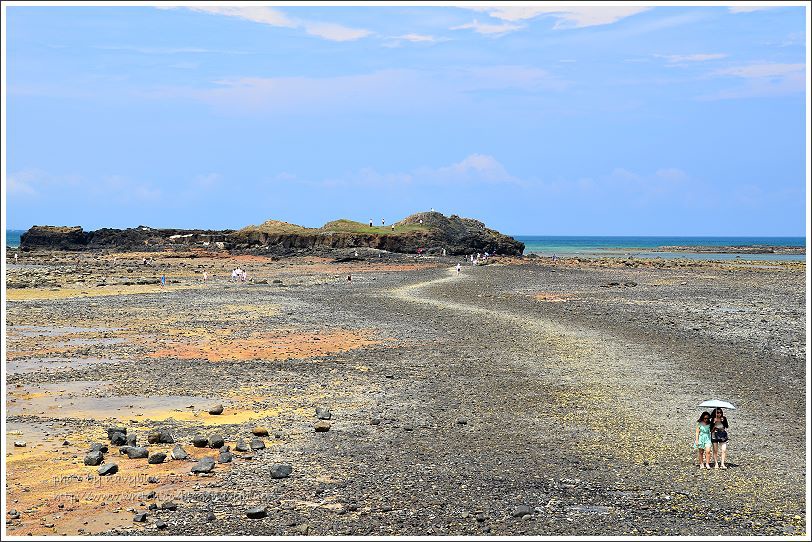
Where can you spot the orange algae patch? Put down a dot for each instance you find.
(278, 345)
(42, 478)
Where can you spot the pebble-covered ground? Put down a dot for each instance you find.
(522, 397)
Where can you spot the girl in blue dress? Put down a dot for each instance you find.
(702, 440)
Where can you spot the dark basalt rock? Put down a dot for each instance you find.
(428, 232)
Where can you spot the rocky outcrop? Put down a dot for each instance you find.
(428, 233)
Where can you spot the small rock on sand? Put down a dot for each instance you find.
(260, 431)
(225, 457)
(216, 410)
(322, 426)
(179, 453)
(108, 469)
(257, 444)
(98, 447)
(241, 446)
(140, 518)
(94, 459)
(323, 413)
(20, 444)
(156, 458)
(137, 452)
(206, 464)
(200, 441)
(280, 470)
(256, 512)
(216, 441)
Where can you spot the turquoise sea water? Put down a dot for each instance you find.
(638, 247)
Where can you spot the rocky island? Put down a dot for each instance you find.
(428, 232)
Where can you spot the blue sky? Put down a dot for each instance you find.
(537, 120)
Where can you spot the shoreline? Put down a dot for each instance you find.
(455, 399)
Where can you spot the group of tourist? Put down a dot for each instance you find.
(710, 439)
(238, 275)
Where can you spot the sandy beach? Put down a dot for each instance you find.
(522, 397)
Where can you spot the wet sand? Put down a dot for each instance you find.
(569, 389)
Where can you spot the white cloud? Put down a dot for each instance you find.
(747, 9)
(257, 14)
(20, 184)
(697, 57)
(473, 169)
(495, 30)
(416, 38)
(399, 90)
(207, 181)
(275, 17)
(567, 16)
(762, 79)
(335, 32)
(33, 182)
(765, 69)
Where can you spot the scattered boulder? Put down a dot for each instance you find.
(161, 524)
(140, 517)
(280, 470)
(206, 464)
(20, 444)
(216, 441)
(160, 436)
(137, 452)
(225, 457)
(241, 446)
(169, 505)
(257, 512)
(108, 469)
(521, 511)
(98, 447)
(322, 426)
(216, 410)
(131, 440)
(156, 458)
(323, 413)
(179, 453)
(200, 441)
(112, 430)
(260, 431)
(94, 459)
(118, 439)
(210, 516)
(257, 444)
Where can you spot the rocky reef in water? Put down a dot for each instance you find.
(429, 232)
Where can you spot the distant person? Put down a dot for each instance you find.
(393, 227)
(702, 440)
(432, 209)
(163, 281)
(443, 252)
(421, 220)
(719, 437)
(458, 268)
(145, 261)
(356, 253)
(349, 278)
(205, 276)
(15, 257)
(383, 222)
(370, 222)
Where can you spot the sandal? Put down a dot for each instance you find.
(723, 467)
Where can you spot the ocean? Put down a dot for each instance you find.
(640, 246)
(547, 245)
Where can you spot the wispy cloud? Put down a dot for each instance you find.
(169, 50)
(34, 182)
(747, 9)
(488, 29)
(762, 79)
(274, 17)
(417, 38)
(566, 16)
(387, 90)
(697, 57)
(473, 169)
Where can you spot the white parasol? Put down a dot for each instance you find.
(715, 403)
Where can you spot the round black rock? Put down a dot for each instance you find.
(108, 469)
(137, 452)
(257, 512)
(280, 470)
(216, 441)
(156, 458)
(94, 459)
(200, 441)
(205, 464)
